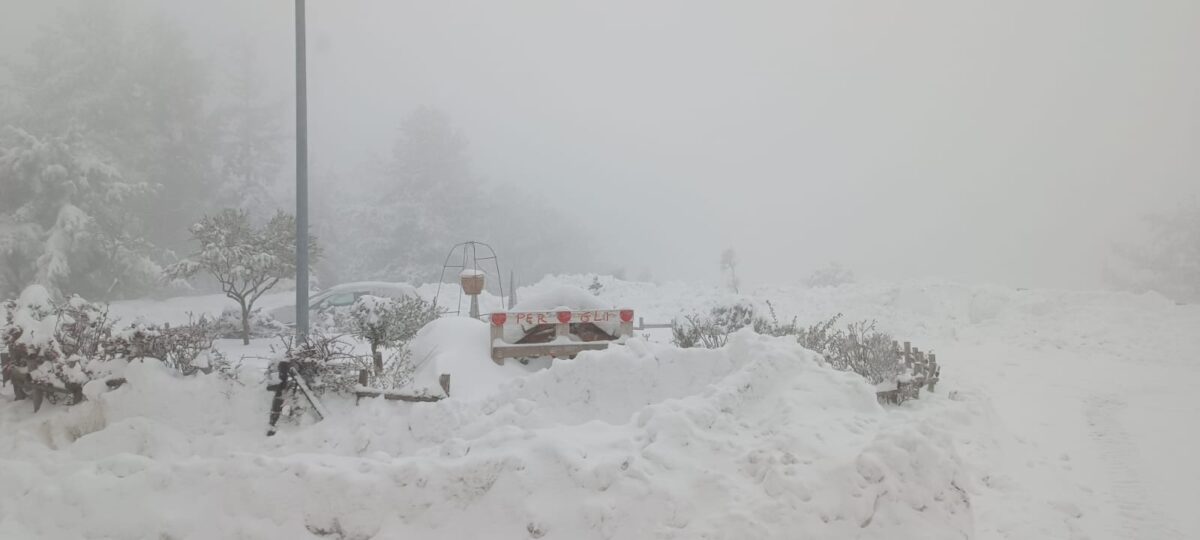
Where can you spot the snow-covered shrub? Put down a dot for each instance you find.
(863, 349)
(186, 348)
(817, 337)
(59, 347)
(712, 330)
(391, 323)
(832, 275)
(55, 347)
(246, 261)
(261, 325)
(859, 347)
(328, 361)
(387, 322)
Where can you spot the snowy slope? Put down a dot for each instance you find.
(1060, 415)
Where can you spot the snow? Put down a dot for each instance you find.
(470, 272)
(1059, 415)
(458, 346)
(33, 315)
(554, 297)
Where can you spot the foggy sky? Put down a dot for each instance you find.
(1006, 142)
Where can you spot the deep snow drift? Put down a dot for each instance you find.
(1059, 427)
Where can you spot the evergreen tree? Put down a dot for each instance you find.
(65, 225)
(105, 122)
(251, 138)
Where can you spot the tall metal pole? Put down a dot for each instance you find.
(301, 176)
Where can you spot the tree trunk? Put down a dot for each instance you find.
(245, 324)
(377, 355)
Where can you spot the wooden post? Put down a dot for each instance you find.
(933, 372)
(284, 369)
(444, 380)
(908, 354)
(496, 334)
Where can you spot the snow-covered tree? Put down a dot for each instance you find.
(729, 263)
(250, 149)
(245, 260)
(413, 208)
(1168, 260)
(65, 220)
(105, 121)
(387, 322)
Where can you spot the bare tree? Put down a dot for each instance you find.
(729, 262)
(246, 261)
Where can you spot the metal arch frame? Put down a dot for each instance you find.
(473, 246)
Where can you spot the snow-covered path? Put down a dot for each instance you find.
(1105, 439)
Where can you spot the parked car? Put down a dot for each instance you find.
(342, 296)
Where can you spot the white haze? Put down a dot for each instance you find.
(985, 141)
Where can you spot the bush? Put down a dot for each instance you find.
(387, 322)
(261, 325)
(187, 348)
(55, 346)
(859, 347)
(330, 363)
(818, 337)
(712, 331)
(55, 349)
(326, 360)
(866, 351)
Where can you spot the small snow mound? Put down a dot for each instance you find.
(459, 346)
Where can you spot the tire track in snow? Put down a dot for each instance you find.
(1127, 495)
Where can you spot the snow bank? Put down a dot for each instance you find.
(556, 297)
(756, 440)
(458, 346)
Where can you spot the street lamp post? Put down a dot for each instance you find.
(301, 176)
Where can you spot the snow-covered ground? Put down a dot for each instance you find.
(1059, 415)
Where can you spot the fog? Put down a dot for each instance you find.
(1003, 142)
